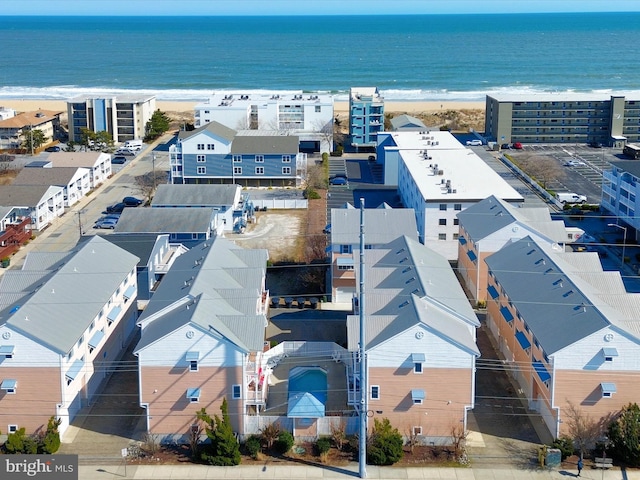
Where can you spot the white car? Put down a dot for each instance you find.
(474, 143)
(573, 163)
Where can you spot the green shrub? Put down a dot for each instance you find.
(18, 442)
(385, 444)
(284, 443)
(253, 446)
(51, 440)
(565, 445)
(323, 445)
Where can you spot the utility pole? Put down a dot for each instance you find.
(80, 212)
(153, 171)
(31, 133)
(364, 390)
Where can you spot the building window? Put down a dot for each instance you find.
(286, 170)
(193, 394)
(417, 430)
(318, 108)
(375, 392)
(201, 170)
(442, 236)
(237, 170)
(201, 158)
(443, 207)
(345, 249)
(236, 393)
(345, 267)
(457, 206)
(9, 386)
(237, 158)
(210, 146)
(456, 236)
(456, 221)
(259, 158)
(201, 146)
(442, 222)
(259, 170)
(12, 429)
(286, 158)
(417, 396)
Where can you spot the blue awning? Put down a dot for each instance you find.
(113, 314)
(193, 356)
(417, 394)
(472, 256)
(493, 292)
(344, 261)
(7, 350)
(606, 351)
(541, 370)
(506, 313)
(8, 384)
(73, 372)
(462, 240)
(193, 393)
(95, 340)
(417, 357)
(130, 292)
(522, 339)
(608, 388)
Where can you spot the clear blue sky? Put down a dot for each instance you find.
(306, 7)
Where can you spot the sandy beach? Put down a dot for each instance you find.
(340, 107)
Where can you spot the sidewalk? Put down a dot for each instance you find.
(197, 472)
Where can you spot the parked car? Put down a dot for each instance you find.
(117, 208)
(505, 146)
(573, 163)
(125, 151)
(338, 181)
(55, 148)
(474, 143)
(595, 145)
(517, 146)
(131, 201)
(107, 223)
(119, 160)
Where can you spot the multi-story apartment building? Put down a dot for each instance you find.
(366, 116)
(609, 119)
(75, 181)
(309, 117)
(491, 224)
(382, 225)
(438, 178)
(202, 339)
(215, 153)
(420, 342)
(13, 129)
(124, 117)
(42, 203)
(620, 194)
(64, 317)
(567, 329)
(98, 163)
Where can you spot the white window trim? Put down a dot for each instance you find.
(201, 170)
(239, 391)
(417, 430)
(417, 401)
(418, 370)
(12, 428)
(377, 387)
(259, 158)
(286, 170)
(286, 159)
(201, 158)
(193, 363)
(237, 159)
(194, 400)
(259, 170)
(237, 170)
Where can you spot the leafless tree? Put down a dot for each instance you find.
(583, 429)
(148, 182)
(326, 131)
(195, 432)
(338, 434)
(459, 437)
(151, 443)
(411, 435)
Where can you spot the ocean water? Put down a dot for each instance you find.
(421, 57)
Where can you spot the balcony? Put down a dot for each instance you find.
(14, 236)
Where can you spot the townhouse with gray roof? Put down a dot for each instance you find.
(420, 333)
(491, 224)
(382, 225)
(216, 154)
(98, 163)
(42, 203)
(64, 318)
(75, 181)
(568, 330)
(202, 338)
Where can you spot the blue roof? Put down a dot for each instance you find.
(506, 313)
(417, 394)
(6, 349)
(8, 384)
(418, 357)
(522, 339)
(96, 339)
(74, 370)
(493, 292)
(192, 356)
(541, 370)
(305, 405)
(608, 387)
(113, 314)
(130, 291)
(193, 393)
(606, 351)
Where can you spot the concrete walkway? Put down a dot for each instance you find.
(196, 472)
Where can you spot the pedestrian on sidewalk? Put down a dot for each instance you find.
(580, 465)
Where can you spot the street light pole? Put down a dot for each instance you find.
(153, 172)
(624, 239)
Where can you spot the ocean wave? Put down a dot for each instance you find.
(67, 92)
